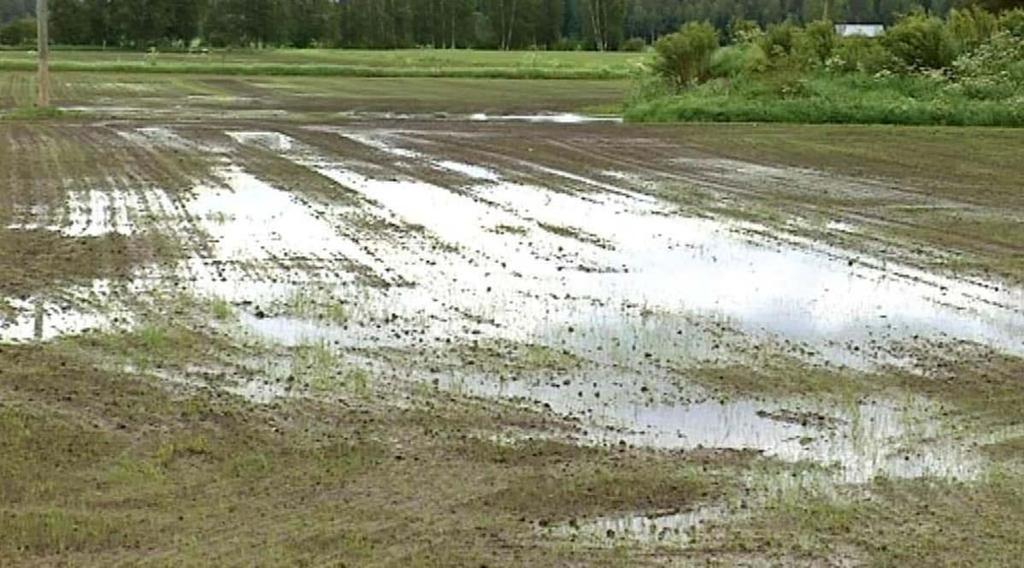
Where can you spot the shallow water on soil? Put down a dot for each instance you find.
(617, 278)
(545, 118)
(536, 262)
(674, 528)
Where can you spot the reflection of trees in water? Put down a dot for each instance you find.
(40, 313)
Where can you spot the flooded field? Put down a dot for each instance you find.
(656, 301)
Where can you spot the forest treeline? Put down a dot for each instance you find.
(483, 24)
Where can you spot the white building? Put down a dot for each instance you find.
(859, 30)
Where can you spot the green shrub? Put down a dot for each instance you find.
(685, 56)
(969, 28)
(566, 44)
(818, 41)
(920, 42)
(646, 87)
(1012, 22)
(18, 32)
(738, 60)
(861, 54)
(743, 31)
(635, 44)
(779, 40)
(994, 71)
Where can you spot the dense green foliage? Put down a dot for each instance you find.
(18, 32)
(685, 57)
(965, 70)
(489, 24)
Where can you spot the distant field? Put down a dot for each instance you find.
(362, 63)
(184, 95)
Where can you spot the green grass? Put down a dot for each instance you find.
(824, 98)
(346, 63)
(222, 310)
(36, 113)
(101, 464)
(782, 376)
(320, 98)
(888, 523)
(315, 303)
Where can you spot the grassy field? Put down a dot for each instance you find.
(346, 63)
(182, 95)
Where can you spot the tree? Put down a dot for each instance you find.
(68, 22)
(18, 32)
(604, 20)
(11, 10)
(685, 56)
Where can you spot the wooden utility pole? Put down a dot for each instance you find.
(43, 21)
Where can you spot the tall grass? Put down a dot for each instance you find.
(342, 63)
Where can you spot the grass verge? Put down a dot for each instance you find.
(824, 98)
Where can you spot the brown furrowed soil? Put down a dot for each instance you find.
(309, 337)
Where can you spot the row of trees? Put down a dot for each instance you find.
(494, 24)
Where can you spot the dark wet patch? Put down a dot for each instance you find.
(802, 418)
(577, 234)
(32, 261)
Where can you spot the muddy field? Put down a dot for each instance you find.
(508, 338)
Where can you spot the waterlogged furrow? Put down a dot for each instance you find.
(615, 278)
(677, 264)
(92, 213)
(502, 273)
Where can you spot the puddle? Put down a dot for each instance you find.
(385, 144)
(614, 258)
(860, 440)
(620, 281)
(674, 528)
(90, 213)
(248, 220)
(535, 118)
(78, 310)
(545, 118)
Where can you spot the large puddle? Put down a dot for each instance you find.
(618, 279)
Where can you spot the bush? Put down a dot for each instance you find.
(566, 44)
(1012, 22)
(818, 41)
(738, 60)
(635, 44)
(970, 28)
(743, 31)
(920, 42)
(18, 32)
(861, 54)
(779, 40)
(685, 56)
(993, 71)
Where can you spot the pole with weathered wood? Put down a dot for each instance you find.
(43, 21)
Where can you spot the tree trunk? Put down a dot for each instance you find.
(511, 25)
(595, 22)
